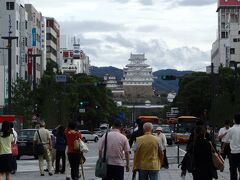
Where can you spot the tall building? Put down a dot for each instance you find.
(13, 18)
(226, 48)
(137, 77)
(36, 61)
(75, 60)
(52, 40)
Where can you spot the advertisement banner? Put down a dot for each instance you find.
(34, 37)
(30, 61)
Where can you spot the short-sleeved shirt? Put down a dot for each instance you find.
(162, 141)
(44, 134)
(221, 132)
(117, 144)
(71, 136)
(233, 136)
(5, 144)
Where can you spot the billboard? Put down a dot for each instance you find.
(34, 37)
(30, 61)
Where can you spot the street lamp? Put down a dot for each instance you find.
(34, 69)
(9, 39)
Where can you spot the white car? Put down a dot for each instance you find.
(88, 136)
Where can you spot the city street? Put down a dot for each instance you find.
(28, 167)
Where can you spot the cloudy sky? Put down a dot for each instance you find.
(172, 33)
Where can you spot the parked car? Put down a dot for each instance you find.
(25, 142)
(98, 132)
(88, 136)
(166, 130)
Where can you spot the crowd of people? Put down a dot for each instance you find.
(149, 150)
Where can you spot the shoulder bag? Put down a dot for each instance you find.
(14, 147)
(101, 165)
(217, 159)
(39, 148)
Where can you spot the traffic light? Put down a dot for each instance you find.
(168, 77)
(81, 104)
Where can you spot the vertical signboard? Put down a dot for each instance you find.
(30, 61)
(34, 37)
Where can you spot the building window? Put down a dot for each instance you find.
(26, 58)
(17, 59)
(26, 44)
(10, 5)
(232, 50)
(65, 60)
(17, 75)
(26, 24)
(17, 25)
(26, 75)
(17, 42)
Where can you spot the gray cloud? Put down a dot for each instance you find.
(148, 28)
(143, 2)
(120, 40)
(74, 27)
(195, 2)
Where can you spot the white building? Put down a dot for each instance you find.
(137, 77)
(227, 46)
(12, 13)
(74, 61)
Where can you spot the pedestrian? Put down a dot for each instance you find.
(233, 136)
(6, 139)
(225, 144)
(136, 133)
(202, 154)
(148, 154)
(60, 147)
(74, 157)
(14, 156)
(43, 136)
(117, 149)
(163, 141)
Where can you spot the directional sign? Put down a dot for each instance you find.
(61, 78)
(82, 110)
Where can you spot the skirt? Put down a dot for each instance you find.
(5, 163)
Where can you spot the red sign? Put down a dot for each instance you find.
(30, 61)
(65, 54)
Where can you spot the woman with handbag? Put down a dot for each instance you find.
(202, 153)
(6, 139)
(74, 156)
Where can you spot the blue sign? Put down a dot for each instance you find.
(61, 78)
(120, 116)
(34, 37)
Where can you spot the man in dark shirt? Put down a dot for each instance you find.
(137, 133)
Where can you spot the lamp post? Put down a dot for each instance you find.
(9, 38)
(34, 69)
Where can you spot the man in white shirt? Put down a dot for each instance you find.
(163, 141)
(225, 144)
(233, 136)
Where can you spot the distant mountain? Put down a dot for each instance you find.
(158, 84)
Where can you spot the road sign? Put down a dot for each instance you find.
(61, 78)
(82, 110)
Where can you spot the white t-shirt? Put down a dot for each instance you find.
(162, 140)
(221, 132)
(233, 136)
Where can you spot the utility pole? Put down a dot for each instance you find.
(9, 38)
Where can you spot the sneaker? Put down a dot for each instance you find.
(50, 174)
(42, 175)
(68, 178)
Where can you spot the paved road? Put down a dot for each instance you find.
(28, 167)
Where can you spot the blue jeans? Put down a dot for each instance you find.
(148, 174)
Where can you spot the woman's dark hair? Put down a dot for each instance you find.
(6, 129)
(60, 131)
(72, 125)
(199, 133)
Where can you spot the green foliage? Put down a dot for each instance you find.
(22, 102)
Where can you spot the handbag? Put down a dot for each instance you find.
(101, 165)
(14, 149)
(39, 148)
(83, 146)
(76, 145)
(217, 159)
